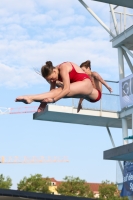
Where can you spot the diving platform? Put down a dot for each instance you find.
(121, 153)
(67, 114)
(127, 113)
(127, 3)
(124, 39)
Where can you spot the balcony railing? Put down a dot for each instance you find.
(124, 18)
(108, 102)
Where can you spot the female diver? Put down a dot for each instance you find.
(75, 82)
(96, 80)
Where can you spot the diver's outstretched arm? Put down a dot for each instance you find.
(99, 78)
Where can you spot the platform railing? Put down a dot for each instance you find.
(109, 102)
(124, 18)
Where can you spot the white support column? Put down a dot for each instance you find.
(128, 61)
(120, 22)
(122, 75)
(114, 19)
(121, 63)
(124, 130)
(124, 18)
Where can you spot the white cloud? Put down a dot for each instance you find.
(76, 50)
(17, 78)
(61, 5)
(50, 30)
(17, 6)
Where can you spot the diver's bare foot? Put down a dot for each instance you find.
(24, 99)
(42, 107)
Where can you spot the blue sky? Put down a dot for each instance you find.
(32, 32)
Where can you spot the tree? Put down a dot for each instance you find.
(74, 187)
(35, 183)
(5, 183)
(109, 191)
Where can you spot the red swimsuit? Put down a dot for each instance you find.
(98, 98)
(75, 76)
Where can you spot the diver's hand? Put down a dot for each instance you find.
(110, 89)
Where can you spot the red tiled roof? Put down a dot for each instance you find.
(53, 180)
(57, 182)
(93, 186)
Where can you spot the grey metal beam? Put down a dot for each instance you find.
(121, 153)
(127, 3)
(127, 112)
(6, 194)
(124, 39)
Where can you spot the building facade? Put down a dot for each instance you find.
(54, 185)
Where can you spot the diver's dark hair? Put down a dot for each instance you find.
(86, 64)
(47, 69)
